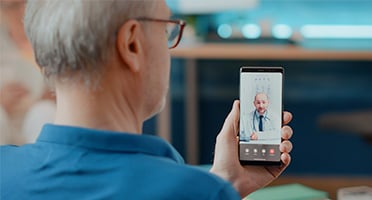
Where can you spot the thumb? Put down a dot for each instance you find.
(231, 124)
(226, 144)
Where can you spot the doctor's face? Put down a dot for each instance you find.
(261, 102)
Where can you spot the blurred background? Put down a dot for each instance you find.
(325, 47)
(326, 50)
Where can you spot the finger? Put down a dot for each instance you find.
(236, 107)
(286, 146)
(287, 117)
(286, 158)
(227, 138)
(232, 120)
(287, 132)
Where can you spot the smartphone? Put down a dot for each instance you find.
(261, 113)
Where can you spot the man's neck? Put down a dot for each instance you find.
(98, 109)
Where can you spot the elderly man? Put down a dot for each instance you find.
(109, 63)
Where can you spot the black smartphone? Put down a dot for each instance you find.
(261, 91)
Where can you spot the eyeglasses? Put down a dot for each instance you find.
(174, 29)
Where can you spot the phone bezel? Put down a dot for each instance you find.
(256, 69)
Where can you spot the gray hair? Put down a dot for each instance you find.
(70, 36)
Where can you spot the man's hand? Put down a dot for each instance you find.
(254, 136)
(246, 179)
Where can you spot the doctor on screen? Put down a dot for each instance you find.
(260, 123)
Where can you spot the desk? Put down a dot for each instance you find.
(328, 184)
(235, 51)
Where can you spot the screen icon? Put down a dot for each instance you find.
(272, 151)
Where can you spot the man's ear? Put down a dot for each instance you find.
(129, 46)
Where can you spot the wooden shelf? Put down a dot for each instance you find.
(265, 52)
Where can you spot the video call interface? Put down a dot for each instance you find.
(260, 115)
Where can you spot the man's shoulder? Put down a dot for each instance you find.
(13, 152)
(272, 115)
(177, 178)
(252, 113)
(5, 149)
(15, 160)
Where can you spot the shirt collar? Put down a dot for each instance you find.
(258, 115)
(108, 141)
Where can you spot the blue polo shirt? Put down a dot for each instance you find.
(80, 163)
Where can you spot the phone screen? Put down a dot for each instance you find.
(260, 115)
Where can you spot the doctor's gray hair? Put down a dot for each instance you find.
(73, 38)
